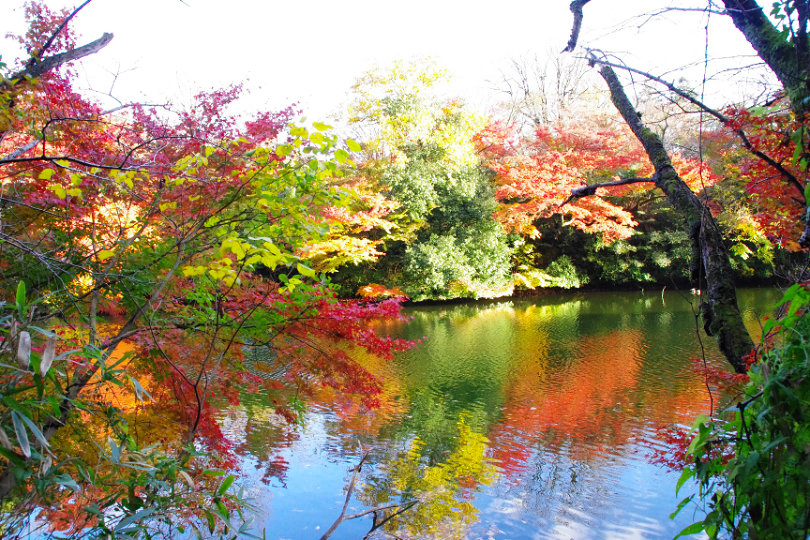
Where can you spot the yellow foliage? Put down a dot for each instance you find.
(402, 106)
(443, 490)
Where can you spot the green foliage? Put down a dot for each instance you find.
(425, 161)
(461, 250)
(753, 469)
(647, 257)
(563, 273)
(658, 252)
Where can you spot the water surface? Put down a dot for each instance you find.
(519, 419)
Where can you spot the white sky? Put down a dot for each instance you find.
(311, 51)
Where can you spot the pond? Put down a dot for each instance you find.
(519, 419)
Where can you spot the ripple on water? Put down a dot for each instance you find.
(567, 395)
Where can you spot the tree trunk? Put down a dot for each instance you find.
(790, 63)
(721, 315)
(788, 59)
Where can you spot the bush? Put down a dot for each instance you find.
(753, 469)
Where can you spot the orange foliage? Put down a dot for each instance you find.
(351, 242)
(778, 202)
(375, 290)
(536, 177)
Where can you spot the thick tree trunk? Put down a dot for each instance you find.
(790, 63)
(788, 59)
(721, 315)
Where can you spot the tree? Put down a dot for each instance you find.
(178, 237)
(421, 153)
(544, 93)
(749, 465)
(720, 312)
(592, 153)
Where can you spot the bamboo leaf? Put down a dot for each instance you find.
(48, 355)
(225, 485)
(140, 391)
(22, 436)
(21, 297)
(685, 475)
(5, 441)
(139, 515)
(24, 350)
(694, 528)
(34, 430)
(115, 450)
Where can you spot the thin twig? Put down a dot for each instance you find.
(342, 517)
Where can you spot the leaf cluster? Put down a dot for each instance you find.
(752, 468)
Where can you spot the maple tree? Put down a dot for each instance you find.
(185, 234)
(545, 176)
(538, 180)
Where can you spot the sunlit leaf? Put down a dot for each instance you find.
(353, 145)
(58, 190)
(307, 271)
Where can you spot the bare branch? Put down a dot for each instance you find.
(53, 62)
(129, 105)
(786, 174)
(653, 14)
(21, 150)
(586, 191)
(576, 9)
(401, 507)
(342, 517)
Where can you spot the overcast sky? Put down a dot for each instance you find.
(311, 51)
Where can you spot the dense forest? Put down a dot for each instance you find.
(147, 253)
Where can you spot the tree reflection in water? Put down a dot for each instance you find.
(444, 489)
(511, 420)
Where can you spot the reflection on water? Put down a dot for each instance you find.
(522, 419)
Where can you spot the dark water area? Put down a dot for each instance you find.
(531, 418)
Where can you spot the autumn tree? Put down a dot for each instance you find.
(144, 254)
